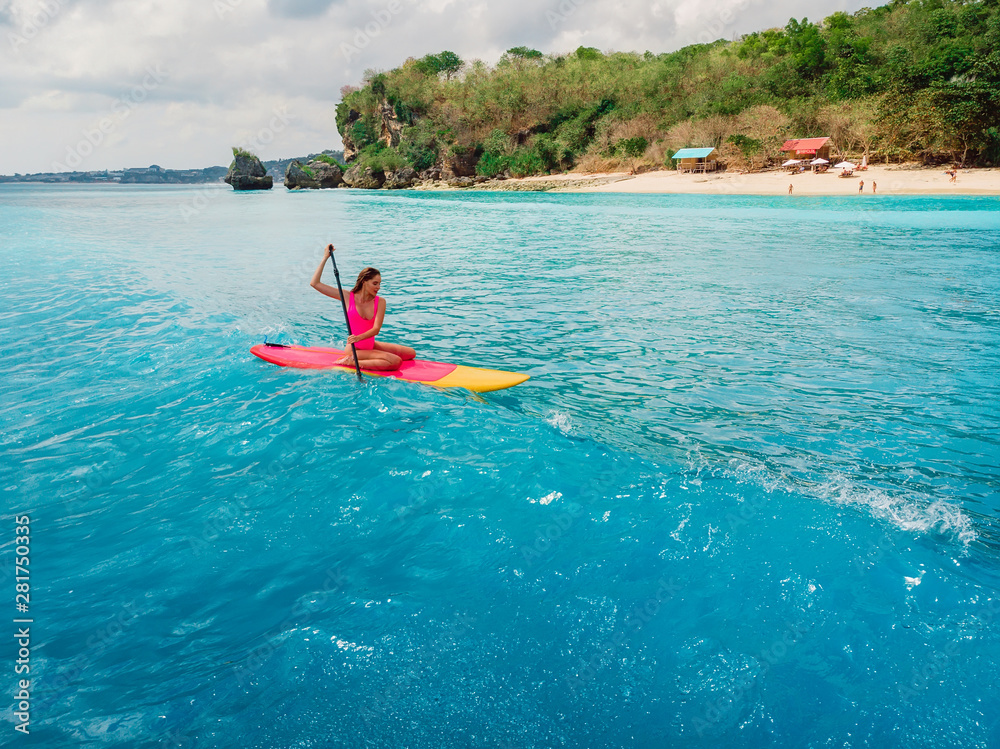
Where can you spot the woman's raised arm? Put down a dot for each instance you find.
(316, 283)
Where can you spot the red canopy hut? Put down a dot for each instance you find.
(807, 149)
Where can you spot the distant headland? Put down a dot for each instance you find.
(157, 175)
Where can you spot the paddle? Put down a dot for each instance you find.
(343, 303)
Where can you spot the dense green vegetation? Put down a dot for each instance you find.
(243, 152)
(914, 79)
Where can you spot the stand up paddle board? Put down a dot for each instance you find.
(433, 373)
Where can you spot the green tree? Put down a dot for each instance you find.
(631, 147)
(445, 62)
(848, 53)
(496, 154)
(515, 54)
(450, 63)
(806, 47)
(969, 105)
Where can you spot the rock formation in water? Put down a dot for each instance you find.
(329, 175)
(299, 177)
(247, 172)
(364, 177)
(314, 175)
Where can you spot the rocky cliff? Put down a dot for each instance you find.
(350, 147)
(387, 124)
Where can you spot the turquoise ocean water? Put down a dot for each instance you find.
(749, 498)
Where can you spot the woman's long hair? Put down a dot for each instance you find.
(363, 277)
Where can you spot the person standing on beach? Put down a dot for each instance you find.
(365, 313)
(874, 186)
(861, 187)
(789, 189)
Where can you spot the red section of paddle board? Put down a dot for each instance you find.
(302, 357)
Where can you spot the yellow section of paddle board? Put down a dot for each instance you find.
(479, 380)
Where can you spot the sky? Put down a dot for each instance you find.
(111, 84)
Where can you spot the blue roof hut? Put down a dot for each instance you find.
(697, 160)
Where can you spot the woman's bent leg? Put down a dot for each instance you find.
(403, 352)
(380, 361)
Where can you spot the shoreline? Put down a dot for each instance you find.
(890, 180)
(897, 179)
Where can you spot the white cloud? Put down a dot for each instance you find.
(226, 65)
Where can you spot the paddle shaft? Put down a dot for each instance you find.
(347, 320)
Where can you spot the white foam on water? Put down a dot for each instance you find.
(912, 582)
(755, 474)
(676, 534)
(912, 514)
(547, 499)
(560, 421)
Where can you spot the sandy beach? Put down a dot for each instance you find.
(890, 180)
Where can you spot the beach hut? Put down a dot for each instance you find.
(698, 160)
(807, 149)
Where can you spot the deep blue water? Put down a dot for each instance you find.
(749, 498)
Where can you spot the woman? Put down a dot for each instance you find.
(365, 313)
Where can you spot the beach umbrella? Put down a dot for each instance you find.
(819, 161)
(844, 165)
(791, 162)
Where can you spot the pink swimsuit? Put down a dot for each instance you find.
(361, 324)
